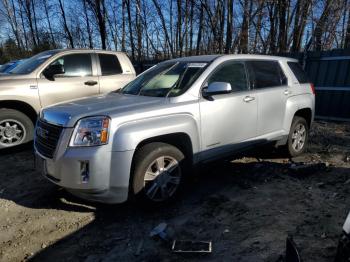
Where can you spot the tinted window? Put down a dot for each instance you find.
(298, 72)
(75, 65)
(266, 74)
(109, 65)
(233, 73)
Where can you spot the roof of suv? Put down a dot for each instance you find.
(210, 58)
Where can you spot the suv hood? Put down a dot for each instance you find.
(68, 113)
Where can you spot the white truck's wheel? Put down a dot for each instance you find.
(15, 128)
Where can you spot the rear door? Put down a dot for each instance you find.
(270, 83)
(227, 120)
(77, 81)
(113, 75)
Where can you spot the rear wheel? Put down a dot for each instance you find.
(15, 128)
(298, 137)
(157, 173)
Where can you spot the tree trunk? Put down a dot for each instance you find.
(123, 25)
(179, 43)
(200, 29)
(65, 25)
(11, 18)
(130, 30)
(88, 27)
(99, 9)
(282, 35)
(159, 11)
(320, 26)
(229, 26)
(347, 36)
(243, 44)
(191, 26)
(49, 22)
(28, 11)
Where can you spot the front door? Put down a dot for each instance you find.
(77, 81)
(228, 120)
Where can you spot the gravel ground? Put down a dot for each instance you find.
(246, 207)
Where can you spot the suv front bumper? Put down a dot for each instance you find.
(92, 173)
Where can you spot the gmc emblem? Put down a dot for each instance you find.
(42, 132)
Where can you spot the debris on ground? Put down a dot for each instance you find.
(245, 207)
(191, 246)
(160, 231)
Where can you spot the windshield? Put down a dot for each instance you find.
(165, 79)
(32, 63)
(6, 67)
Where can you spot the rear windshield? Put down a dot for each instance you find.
(298, 72)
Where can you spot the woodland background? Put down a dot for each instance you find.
(151, 30)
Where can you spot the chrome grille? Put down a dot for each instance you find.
(46, 138)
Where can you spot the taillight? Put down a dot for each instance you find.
(313, 88)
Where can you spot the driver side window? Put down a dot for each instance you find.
(74, 65)
(231, 72)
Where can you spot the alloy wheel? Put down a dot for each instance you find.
(12, 132)
(162, 178)
(299, 137)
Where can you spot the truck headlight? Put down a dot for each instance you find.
(91, 131)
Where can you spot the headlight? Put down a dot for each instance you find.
(91, 131)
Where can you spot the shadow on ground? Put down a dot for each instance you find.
(246, 207)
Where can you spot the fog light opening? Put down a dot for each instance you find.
(84, 171)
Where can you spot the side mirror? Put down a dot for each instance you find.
(216, 88)
(53, 70)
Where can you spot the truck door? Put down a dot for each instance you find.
(76, 81)
(113, 75)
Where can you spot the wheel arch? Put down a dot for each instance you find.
(305, 113)
(298, 106)
(180, 140)
(20, 106)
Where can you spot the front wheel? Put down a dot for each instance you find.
(298, 137)
(157, 173)
(15, 128)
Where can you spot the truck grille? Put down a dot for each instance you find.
(46, 138)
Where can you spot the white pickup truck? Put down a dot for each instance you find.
(52, 77)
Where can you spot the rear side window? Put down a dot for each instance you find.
(265, 74)
(298, 72)
(109, 65)
(233, 73)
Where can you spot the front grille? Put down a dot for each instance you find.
(46, 138)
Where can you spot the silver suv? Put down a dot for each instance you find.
(140, 142)
(51, 77)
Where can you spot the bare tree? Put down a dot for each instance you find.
(65, 25)
(99, 9)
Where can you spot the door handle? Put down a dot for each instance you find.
(287, 92)
(91, 83)
(248, 99)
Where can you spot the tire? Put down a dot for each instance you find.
(157, 187)
(15, 128)
(298, 137)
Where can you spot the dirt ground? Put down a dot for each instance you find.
(246, 207)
